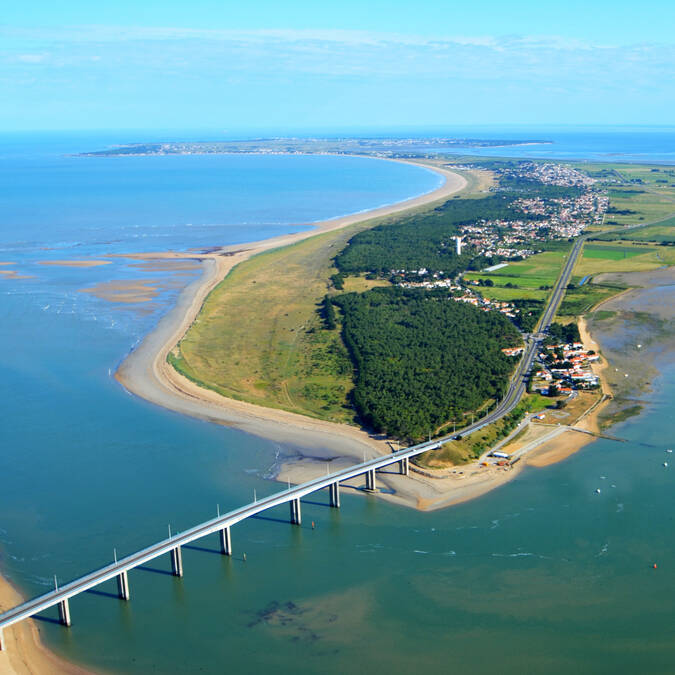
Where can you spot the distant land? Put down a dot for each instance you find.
(381, 147)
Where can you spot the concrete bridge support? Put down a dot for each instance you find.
(404, 466)
(225, 541)
(370, 481)
(296, 516)
(334, 489)
(64, 612)
(176, 562)
(123, 586)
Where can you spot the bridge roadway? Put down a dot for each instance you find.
(118, 569)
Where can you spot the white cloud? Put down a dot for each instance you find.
(30, 58)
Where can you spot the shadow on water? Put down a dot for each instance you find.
(307, 501)
(103, 594)
(202, 549)
(285, 521)
(45, 619)
(144, 568)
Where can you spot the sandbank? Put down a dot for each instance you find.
(75, 263)
(136, 290)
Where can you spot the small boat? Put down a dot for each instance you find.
(598, 491)
(665, 464)
(668, 450)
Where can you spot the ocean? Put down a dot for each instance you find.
(543, 575)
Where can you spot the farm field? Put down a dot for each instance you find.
(530, 279)
(620, 257)
(657, 233)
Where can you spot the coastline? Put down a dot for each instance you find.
(146, 373)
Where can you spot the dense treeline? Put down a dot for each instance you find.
(530, 311)
(423, 241)
(422, 359)
(567, 333)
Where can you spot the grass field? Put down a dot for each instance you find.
(621, 257)
(533, 278)
(257, 338)
(663, 231)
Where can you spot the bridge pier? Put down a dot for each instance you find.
(64, 613)
(334, 491)
(404, 466)
(176, 562)
(225, 541)
(123, 586)
(296, 515)
(370, 480)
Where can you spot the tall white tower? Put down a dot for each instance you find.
(458, 245)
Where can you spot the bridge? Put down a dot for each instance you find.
(222, 524)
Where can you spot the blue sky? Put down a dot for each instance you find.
(294, 66)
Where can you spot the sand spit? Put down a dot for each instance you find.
(320, 446)
(13, 274)
(146, 373)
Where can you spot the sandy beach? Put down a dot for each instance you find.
(24, 652)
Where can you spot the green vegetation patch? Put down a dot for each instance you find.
(469, 448)
(422, 359)
(663, 232)
(582, 299)
(611, 252)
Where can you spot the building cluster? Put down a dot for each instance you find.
(551, 174)
(545, 217)
(565, 368)
(507, 239)
(564, 217)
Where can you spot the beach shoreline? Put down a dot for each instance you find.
(146, 373)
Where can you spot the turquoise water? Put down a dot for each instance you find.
(543, 575)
